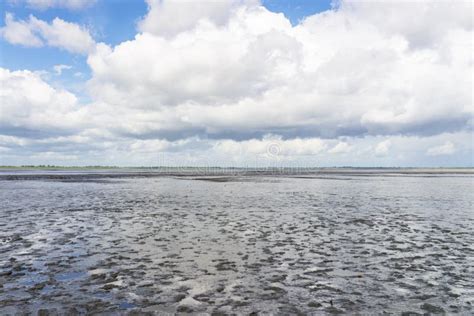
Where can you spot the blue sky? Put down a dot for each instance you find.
(112, 22)
(233, 82)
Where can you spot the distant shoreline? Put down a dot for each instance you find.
(213, 173)
(54, 167)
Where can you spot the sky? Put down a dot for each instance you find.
(241, 83)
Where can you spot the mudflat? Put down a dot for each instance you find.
(338, 241)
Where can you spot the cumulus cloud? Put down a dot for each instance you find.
(422, 23)
(386, 82)
(46, 4)
(447, 148)
(170, 17)
(383, 148)
(250, 72)
(271, 146)
(30, 106)
(340, 148)
(94, 146)
(19, 32)
(59, 33)
(58, 69)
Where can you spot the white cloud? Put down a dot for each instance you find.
(170, 17)
(59, 33)
(422, 22)
(340, 148)
(383, 148)
(96, 145)
(250, 72)
(29, 103)
(58, 69)
(233, 81)
(65, 35)
(272, 146)
(447, 148)
(47, 4)
(19, 32)
(13, 140)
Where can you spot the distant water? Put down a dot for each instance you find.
(272, 244)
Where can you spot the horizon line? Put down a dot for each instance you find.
(40, 166)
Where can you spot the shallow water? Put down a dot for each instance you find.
(272, 245)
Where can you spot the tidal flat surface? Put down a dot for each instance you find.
(262, 244)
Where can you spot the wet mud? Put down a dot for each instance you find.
(220, 245)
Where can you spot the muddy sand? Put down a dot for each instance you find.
(244, 244)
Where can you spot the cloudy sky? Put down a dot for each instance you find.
(236, 83)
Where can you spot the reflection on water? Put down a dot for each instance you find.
(281, 245)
